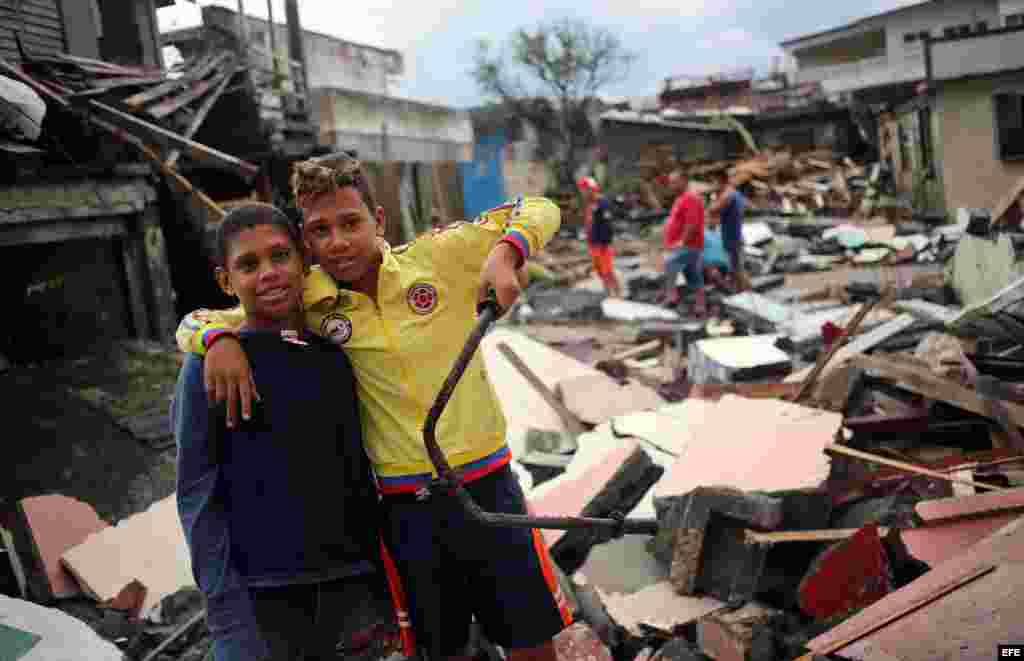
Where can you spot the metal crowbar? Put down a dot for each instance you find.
(449, 481)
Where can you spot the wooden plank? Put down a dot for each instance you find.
(184, 184)
(1007, 201)
(175, 103)
(115, 83)
(158, 272)
(968, 623)
(42, 32)
(202, 112)
(195, 75)
(905, 467)
(848, 332)
(60, 231)
(177, 634)
(137, 101)
(131, 252)
(570, 421)
(784, 537)
(902, 612)
(170, 139)
(48, 7)
(921, 380)
(46, 12)
(645, 348)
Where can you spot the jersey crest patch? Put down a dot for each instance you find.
(337, 328)
(422, 298)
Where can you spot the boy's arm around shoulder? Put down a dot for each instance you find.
(226, 373)
(200, 328)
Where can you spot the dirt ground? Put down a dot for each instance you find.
(61, 434)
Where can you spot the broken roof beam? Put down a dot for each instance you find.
(202, 69)
(172, 140)
(905, 467)
(1008, 200)
(202, 112)
(198, 90)
(919, 379)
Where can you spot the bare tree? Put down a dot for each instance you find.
(560, 66)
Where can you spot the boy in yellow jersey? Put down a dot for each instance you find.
(402, 315)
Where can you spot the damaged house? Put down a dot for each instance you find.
(81, 239)
(967, 132)
(346, 91)
(941, 77)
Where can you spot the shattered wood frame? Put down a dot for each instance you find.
(246, 170)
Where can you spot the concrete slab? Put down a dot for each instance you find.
(523, 406)
(658, 606)
(148, 549)
(623, 565)
(570, 492)
(598, 398)
(729, 359)
(623, 310)
(754, 445)
(56, 524)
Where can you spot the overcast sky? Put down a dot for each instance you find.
(669, 37)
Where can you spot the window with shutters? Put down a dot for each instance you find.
(1009, 125)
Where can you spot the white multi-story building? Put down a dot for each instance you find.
(887, 49)
(347, 85)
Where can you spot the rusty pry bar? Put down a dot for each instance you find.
(449, 482)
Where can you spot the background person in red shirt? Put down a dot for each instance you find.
(597, 222)
(684, 243)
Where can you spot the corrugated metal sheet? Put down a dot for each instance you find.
(37, 22)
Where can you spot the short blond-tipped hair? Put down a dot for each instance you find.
(325, 174)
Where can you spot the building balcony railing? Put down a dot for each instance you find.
(978, 55)
(865, 73)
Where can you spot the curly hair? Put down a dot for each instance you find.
(325, 174)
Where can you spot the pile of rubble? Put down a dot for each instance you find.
(156, 112)
(835, 460)
(786, 182)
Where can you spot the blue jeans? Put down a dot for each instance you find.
(688, 262)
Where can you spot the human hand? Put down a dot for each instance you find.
(501, 275)
(228, 377)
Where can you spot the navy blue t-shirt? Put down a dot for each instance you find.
(601, 231)
(284, 498)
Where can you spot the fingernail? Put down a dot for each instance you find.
(245, 416)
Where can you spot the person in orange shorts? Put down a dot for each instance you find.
(597, 222)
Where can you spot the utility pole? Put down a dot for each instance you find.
(273, 46)
(243, 33)
(296, 47)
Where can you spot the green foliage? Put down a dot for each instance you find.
(550, 77)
